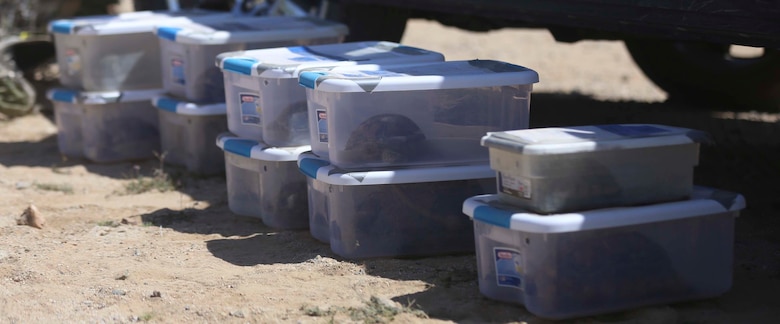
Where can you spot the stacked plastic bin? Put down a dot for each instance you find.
(194, 110)
(104, 111)
(595, 219)
(268, 118)
(398, 148)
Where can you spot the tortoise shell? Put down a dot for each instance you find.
(388, 138)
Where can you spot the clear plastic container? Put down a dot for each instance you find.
(68, 113)
(115, 53)
(606, 260)
(265, 182)
(430, 114)
(319, 221)
(400, 213)
(115, 126)
(550, 170)
(188, 51)
(272, 74)
(187, 133)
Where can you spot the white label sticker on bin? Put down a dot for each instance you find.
(249, 104)
(515, 186)
(322, 125)
(509, 267)
(72, 61)
(177, 70)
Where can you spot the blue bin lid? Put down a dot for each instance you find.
(257, 150)
(287, 62)
(317, 168)
(101, 97)
(421, 76)
(250, 29)
(189, 108)
(703, 202)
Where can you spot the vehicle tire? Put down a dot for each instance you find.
(370, 22)
(706, 75)
(34, 59)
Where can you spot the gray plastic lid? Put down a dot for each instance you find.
(703, 202)
(245, 29)
(286, 62)
(577, 139)
(102, 97)
(423, 76)
(318, 168)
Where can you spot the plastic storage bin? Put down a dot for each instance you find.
(68, 113)
(550, 170)
(414, 115)
(265, 182)
(319, 221)
(187, 133)
(600, 261)
(188, 51)
(115, 126)
(107, 53)
(400, 213)
(272, 74)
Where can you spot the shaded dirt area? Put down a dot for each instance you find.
(181, 256)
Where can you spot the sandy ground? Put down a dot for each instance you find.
(181, 256)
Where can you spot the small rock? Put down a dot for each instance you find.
(31, 217)
(156, 294)
(118, 292)
(126, 221)
(122, 276)
(21, 185)
(237, 313)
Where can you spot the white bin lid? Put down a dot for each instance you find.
(189, 108)
(703, 202)
(592, 138)
(424, 76)
(250, 29)
(286, 62)
(128, 23)
(103, 97)
(315, 167)
(257, 150)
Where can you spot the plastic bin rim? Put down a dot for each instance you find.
(310, 28)
(258, 151)
(124, 23)
(189, 108)
(704, 202)
(331, 174)
(507, 141)
(378, 78)
(101, 97)
(277, 62)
